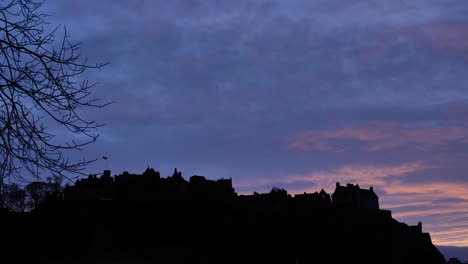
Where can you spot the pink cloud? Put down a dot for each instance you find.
(362, 174)
(378, 136)
(442, 201)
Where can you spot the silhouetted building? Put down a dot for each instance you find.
(353, 196)
(324, 196)
(151, 173)
(201, 187)
(310, 201)
(177, 176)
(147, 186)
(304, 197)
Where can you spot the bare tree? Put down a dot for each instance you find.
(42, 93)
(14, 198)
(37, 192)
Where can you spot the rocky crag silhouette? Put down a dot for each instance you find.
(148, 219)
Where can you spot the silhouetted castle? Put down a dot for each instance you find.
(150, 186)
(144, 218)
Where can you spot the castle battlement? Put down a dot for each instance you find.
(353, 196)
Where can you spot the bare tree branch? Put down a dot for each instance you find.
(40, 86)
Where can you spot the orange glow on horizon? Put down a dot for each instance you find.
(442, 200)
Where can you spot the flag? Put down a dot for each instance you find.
(104, 157)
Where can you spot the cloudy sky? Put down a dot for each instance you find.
(297, 94)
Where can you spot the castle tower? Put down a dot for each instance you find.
(353, 196)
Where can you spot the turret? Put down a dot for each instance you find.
(177, 175)
(150, 172)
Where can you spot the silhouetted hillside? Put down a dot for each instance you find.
(149, 219)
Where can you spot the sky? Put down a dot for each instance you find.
(296, 94)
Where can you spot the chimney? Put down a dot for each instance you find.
(337, 184)
(371, 189)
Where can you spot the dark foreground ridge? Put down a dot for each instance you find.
(148, 219)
